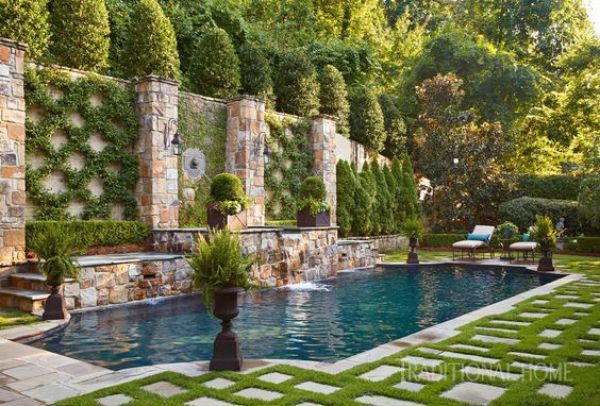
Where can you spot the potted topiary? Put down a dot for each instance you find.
(544, 233)
(54, 248)
(222, 273)
(227, 199)
(413, 229)
(507, 232)
(313, 209)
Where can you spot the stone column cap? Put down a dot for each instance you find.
(155, 78)
(324, 116)
(246, 97)
(13, 44)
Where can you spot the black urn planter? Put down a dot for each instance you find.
(226, 351)
(306, 219)
(545, 264)
(54, 308)
(218, 221)
(413, 257)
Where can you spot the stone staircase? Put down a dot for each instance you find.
(25, 291)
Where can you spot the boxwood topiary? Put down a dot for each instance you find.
(227, 192)
(313, 195)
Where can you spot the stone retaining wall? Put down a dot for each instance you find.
(385, 243)
(355, 254)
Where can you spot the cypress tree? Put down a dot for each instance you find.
(345, 188)
(370, 186)
(361, 218)
(383, 200)
(26, 21)
(295, 84)
(255, 66)
(366, 120)
(333, 97)
(394, 208)
(409, 188)
(214, 67)
(80, 33)
(151, 46)
(400, 200)
(395, 128)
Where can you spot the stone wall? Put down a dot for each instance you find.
(385, 243)
(12, 153)
(355, 153)
(355, 254)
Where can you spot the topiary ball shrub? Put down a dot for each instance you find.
(507, 230)
(313, 188)
(226, 187)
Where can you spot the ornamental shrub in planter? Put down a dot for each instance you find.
(314, 211)
(227, 201)
(507, 232)
(222, 273)
(413, 229)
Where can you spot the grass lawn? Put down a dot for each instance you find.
(12, 318)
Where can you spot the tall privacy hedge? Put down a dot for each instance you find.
(295, 84)
(563, 187)
(26, 21)
(589, 204)
(522, 212)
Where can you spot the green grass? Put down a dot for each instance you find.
(583, 380)
(11, 318)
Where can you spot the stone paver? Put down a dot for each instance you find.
(468, 347)
(317, 387)
(539, 302)
(206, 401)
(594, 331)
(533, 367)
(384, 401)
(256, 393)
(533, 315)
(430, 376)
(549, 346)
(494, 339)
(114, 400)
(25, 372)
(565, 322)
(578, 305)
(470, 357)
(428, 350)
(593, 353)
(581, 364)
(427, 362)
(555, 390)
(275, 377)
(409, 386)
(497, 330)
(380, 373)
(163, 389)
(550, 333)
(8, 396)
(471, 371)
(567, 296)
(474, 393)
(218, 383)
(527, 355)
(581, 314)
(511, 323)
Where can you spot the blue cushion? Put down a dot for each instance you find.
(526, 237)
(478, 237)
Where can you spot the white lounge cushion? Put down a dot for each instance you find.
(468, 244)
(523, 246)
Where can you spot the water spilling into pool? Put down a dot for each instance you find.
(322, 321)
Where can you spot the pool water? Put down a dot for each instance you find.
(325, 321)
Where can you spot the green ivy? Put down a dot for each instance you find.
(292, 157)
(114, 121)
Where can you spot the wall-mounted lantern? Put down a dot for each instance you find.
(266, 150)
(176, 144)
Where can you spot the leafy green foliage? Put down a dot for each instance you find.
(295, 84)
(214, 68)
(313, 195)
(227, 192)
(588, 244)
(145, 54)
(363, 203)
(80, 30)
(345, 190)
(396, 141)
(220, 263)
(55, 247)
(412, 227)
(507, 230)
(367, 124)
(563, 187)
(522, 212)
(26, 21)
(333, 97)
(589, 203)
(114, 121)
(96, 233)
(255, 67)
(543, 231)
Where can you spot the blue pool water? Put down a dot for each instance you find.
(325, 321)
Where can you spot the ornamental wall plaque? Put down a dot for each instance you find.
(194, 163)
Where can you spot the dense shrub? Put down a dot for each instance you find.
(255, 69)
(361, 218)
(90, 234)
(440, 240)
(563, 187)
(226, 187)
(366, 119)
(313, 188)
(410, 198)
(589, 204)
(295, 84)
(588, 244)
(214, 67)
(395, 128)
(345, 190)
(144, 54)
(80, 32)
(26, 21)
(333, 97)
(522, 212)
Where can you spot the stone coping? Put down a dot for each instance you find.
(31, 332)
(352, 242)
(251, 230)
(115, 259)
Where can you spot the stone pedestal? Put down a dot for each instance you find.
(322, 140)
(246, 132)
(157, 189)
(12, 153)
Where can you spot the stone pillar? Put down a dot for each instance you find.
(157, 189)
(12, 153)
(246, 131)
(322, 139)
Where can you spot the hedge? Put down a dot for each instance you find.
(440, 240)
(563, 187)
(522, 212)
(588, 244)
(95, 233)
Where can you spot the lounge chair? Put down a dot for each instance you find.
(479, 238)
(524, 247)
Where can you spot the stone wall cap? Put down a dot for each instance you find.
(246, 97)
(325, 116)
(156, 78)
(14, 44)
(41, 65)
(190, 95)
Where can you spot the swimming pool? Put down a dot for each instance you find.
(325, 321)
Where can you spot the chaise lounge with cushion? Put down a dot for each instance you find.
(479, 238)
(525, 247)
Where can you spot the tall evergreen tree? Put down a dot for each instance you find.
(385, 214)
(255, 66)
(26, 21)
(80, 33)
(295, 84)
(370, 185)
(395, 128)
(214, 67)
(400, 198)
(345, 188)
(366, 119)
(410, 188)
(395, 212)
(151, 46)
(361, 218)
(333, 97)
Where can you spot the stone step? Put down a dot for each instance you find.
(25, 300)
(31, 281)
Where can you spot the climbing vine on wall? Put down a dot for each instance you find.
(205, 130)
(291, 162)
(77, 112)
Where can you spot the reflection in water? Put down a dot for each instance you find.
(327, 321)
